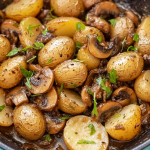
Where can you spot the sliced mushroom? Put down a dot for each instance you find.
(100, 50)
(48, 101)
(42, 81)
(105, 110)
(53, 123)
(124, 96)
(103, 66)
(146, 59)
(34, 67)
(89, 3)
(2, 16)
(17, 96)
(133, 17)
(86, 96)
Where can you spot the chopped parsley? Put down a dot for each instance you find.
(78, 45)
(123, 43)
(64, 118)
(99, 38)
(85, 142)
(29, 29)
(49, 61)
(91, 126)
(44, 32)
(80, 26)
(22, 22)
(86, 18)
(113, 76)
(132, 48)
(51, 13)
(136, 37)
(31, 59)
(62, 85)
(74, 85)
(77, 60)
(117, 115)
(16, 24)
(71, 107)
(48, 138)
(113, 22)
(36, 95)
(2, 107)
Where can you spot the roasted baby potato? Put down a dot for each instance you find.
(70, 73)
(29, 29)
(29, 121)
(126, 124)
(70, 102)
(77, 133)
(63, 26)
(71, 8)
(20, 9)
(57, 50)
(10, 73)
(6, 113)
(128, 65)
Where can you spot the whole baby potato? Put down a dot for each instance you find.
(126, 124)
(29, 121)
(81, 35)
(128, 65)
(10, 73)
(4, 48)
(142, 86)
(20, 9)
(57, 50)
(70, 73)
(67, 8)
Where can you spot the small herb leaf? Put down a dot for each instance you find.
(62, 85)
(13, 52)
(2, 107)
(31, 59)
(136, 37)
(85, 142)
(74, 85)
(39, 45)
(99, 38)
(64, 118)
(78, 45)
(123, 43)
(113, 76)
(16, 24)
(49, 61)
(117, 115)
(132, 48)
(29, 29)
(36, 95)
(77, 60)
(48, 138)
(113, 22)
(51, 13)
(71, 107)
(80, 26)
(45, 31)
(91, 126)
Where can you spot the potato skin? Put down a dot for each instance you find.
(84, 55)
(10, 73)
(70, 72)
(128, 65)
(59, 49)
(29, 121)
(23, 8)
(4, 48)
(122, 28)
(71, 8)
(63, 26)
(144, 36)
(127, 125)
(81, 36)
(142, 86)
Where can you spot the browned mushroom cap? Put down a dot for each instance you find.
(48, 101)
(90, 3)
(124, 96)
(17, 96)
(105, 9)
(2, 16)
(146, 59)
(53, 123)
(34, 67)
(86, 96)
(42, 81)
(97, 22)
(107, 109)
(133, 17)
(99, 50)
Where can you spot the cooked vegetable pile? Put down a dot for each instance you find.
(80, 67)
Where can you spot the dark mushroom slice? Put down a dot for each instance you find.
(53, 123)
(99, 50)
(105, 110)
(103, 66)
(124, 96)
(146, 58)
(17, 96)
(42, 81)
(89, 3)
(2, 16)
(133, 17)
(48, 101)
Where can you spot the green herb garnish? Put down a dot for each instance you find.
(86, 18)
(49, 61)
(64, 118)
(123, 43)
(22, 22)
(51, 13)
(113, 76)
(91, 126)
(29, 29)
(77, 60)
(135, 103)
(85, 142)
(74, 85)
(2, 107)
(113, 22)
(80, 26)
(62, 85)
(117, 115)
(78, 45)
(132, 48)
(39, 45)
(48, 138)
(71, 107)
(99, 38)
(136, 37)
(36, 95)
(16, 24)
(101, 82)
(44, 32)
(31, 59)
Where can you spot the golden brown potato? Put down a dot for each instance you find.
(20, 9)
(144, 37)
(70, 102)
(70, 73)
(77, 129)
(4, 47)
(128, 65)
(87, 58)
(122, 28)
(81, 36)
(6, 114)
(10, 73)
(28, 38)
(58, 50)
(126, 124)
(142, 86)
(63, 26)
(71, 8)
(29, 121)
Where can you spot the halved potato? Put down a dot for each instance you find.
(26, 38)
(70, 102)
(6, 113)
(77, 129)
(126, 124)
(65, 26)
(20, 9)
